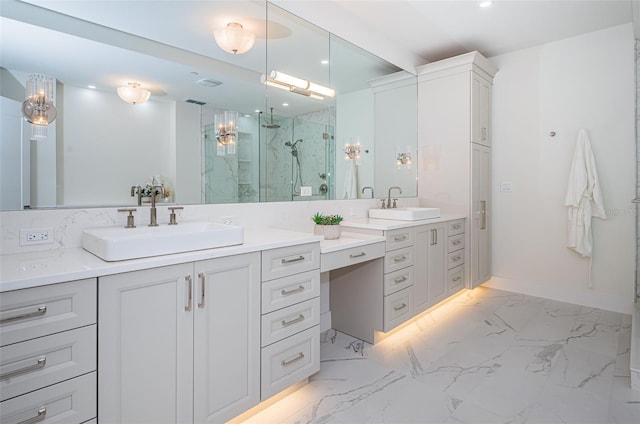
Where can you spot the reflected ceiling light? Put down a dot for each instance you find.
(38, 108)
(234, 38)
(133, 93)
(226, 125)
(297, 85)
(485, 4)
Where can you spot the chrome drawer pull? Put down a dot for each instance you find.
(457, 226)
(400, 259)
(42, 413)
(187, 279)
(40, 311)
(458, 278)
(457, 242)
(400, 280)
(293, 321)
(298, 259)
(399, 307)
(291, 361)
(358, 255)
(288, 292)
(399, 238)
(39, 364)
(457, 258)
(202, 284)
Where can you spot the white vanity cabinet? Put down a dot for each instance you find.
(455, 257)
(454, 134)
(48, 353)
(180, 343)
(290, 341)
(399, 278)
(429, 249)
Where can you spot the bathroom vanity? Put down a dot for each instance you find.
(204, 336)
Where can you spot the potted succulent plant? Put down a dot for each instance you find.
(327, 225)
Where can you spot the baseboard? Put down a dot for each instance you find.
(557, 292)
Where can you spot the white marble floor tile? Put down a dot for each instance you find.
(487, 356)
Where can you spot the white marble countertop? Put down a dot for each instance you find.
(24, 270)
(388, 224)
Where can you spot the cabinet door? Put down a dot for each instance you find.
(145, 346)
(481, 215)
(480, 110)
(437, 263)
(226, 337)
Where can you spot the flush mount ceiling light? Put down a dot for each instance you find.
(297, 85)
(234, 38)
(38, 108)
(133, 93)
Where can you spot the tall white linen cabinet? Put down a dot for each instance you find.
(454, 137)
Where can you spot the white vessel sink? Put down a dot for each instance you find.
(118, 243)
(405, 214)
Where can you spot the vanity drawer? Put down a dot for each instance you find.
(396, 239)
(398, 308)
(40, 362)
(455, 280)
(290, 260)
(398, 280)
(29, 313)
(290, 361)
(287, 291)
(456, 242)
(455, 227)
(286, 322)
(355, 255)
(398, 259)
(455, 258)
(72, 401)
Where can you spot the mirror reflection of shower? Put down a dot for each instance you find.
(270, 124)
(297, 172)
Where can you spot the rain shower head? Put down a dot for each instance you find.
(271, 124)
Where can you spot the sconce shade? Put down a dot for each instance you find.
(133, 93)
(38, 108)
(234, 38)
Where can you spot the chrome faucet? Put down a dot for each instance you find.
(368, 187)
(136, 189)
(389, 196)
(156, 189)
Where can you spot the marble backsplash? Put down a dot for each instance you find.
(68, 224)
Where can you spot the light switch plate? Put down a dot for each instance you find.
(506, 186)
(305, 191)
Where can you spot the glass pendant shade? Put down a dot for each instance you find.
(234, 38)
(133, 93)
(38, 108)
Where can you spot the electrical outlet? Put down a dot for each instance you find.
(227, 220)
(33, 236)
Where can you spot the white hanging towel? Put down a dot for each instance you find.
(584, 198)
(350, 190)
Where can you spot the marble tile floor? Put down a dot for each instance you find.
(486, 356)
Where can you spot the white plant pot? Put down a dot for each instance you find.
(330, 232)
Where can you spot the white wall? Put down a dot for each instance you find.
(585, 81)
(91, 151)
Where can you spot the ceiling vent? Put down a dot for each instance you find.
(208, 82)
(195, 102)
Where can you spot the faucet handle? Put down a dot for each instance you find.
(394, 203)
(172, 216)
(384, 203)
(130, 218)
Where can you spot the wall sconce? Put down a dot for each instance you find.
(38, 108)
(133, 93)
(297, 85)
(234, 38)
(226, 132)
(352, 151)
(404, 159)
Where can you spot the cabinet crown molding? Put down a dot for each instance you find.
(464, 62)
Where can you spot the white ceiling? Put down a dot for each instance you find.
(404, 32)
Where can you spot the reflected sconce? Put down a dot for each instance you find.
(38, 108)
(133, 93)
(403, 158)
(297, 85)
(226, 132)
(234, 38)
(352, 151)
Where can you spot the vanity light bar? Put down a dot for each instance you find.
(297, 85)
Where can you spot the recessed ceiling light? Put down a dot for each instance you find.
(485, 4)
(324, 62)
(285, 104)
(93, 87)
(257, 111)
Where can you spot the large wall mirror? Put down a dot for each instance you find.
(218, 127)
